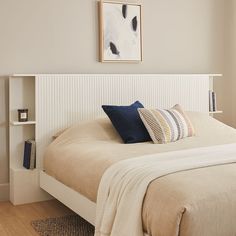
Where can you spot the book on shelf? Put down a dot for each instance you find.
(30, 154)
(212, 101)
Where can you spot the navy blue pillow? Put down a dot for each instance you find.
(127, 122)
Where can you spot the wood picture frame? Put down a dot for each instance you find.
(120, 32)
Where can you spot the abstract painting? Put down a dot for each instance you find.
(120, 32)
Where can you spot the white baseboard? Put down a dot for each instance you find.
(4, 192)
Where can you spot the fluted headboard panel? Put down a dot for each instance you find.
(62, 100)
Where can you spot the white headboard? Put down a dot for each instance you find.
(62, 100)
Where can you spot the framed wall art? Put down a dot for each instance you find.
(120, 31)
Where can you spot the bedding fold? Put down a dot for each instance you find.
(123, 186)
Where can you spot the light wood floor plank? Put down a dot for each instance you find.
(15, 220)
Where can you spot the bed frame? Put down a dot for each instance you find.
(62, 100)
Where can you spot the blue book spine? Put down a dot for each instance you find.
(27, 154)
(214, 101)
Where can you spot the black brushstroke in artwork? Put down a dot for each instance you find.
(114, 49)
(134, 23)
(124, 11)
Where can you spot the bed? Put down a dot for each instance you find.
(200, 201)
(72, 166)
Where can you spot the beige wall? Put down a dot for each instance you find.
(230, 65)
(233, 61)
(60, 36)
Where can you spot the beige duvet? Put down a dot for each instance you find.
(200, 202)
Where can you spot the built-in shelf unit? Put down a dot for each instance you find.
(57, 101)
(24, 186)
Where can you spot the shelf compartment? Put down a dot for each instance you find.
(18, 135)
(21, 96)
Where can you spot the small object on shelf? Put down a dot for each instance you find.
(212, 101)
(33, 155)
(30, 154)
(22, 115)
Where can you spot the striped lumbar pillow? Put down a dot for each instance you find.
(166, 126)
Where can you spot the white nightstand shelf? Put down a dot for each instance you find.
(215, 112)
(17, 123)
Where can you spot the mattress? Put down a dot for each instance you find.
(189, 203)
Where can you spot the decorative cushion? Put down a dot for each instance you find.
(166, 126)
(127, 122)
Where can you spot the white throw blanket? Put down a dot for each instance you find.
(123, 185)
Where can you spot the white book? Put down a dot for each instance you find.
(210, 100)
(214, 101)
(32, 154)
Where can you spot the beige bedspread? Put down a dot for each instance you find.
(199, 202)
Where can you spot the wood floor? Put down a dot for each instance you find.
(15, 220)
